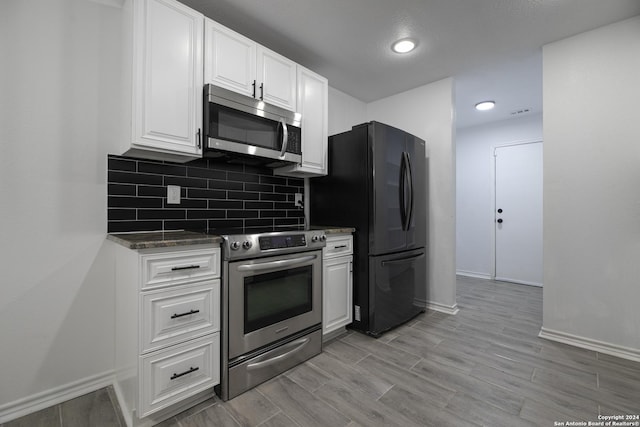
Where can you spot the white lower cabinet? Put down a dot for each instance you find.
(167, 330)
(337, 284)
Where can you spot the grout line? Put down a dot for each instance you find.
(272, 416)
(416, 364)
(230, 414)
(385, 392)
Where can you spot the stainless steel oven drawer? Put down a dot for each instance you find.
(258, 369)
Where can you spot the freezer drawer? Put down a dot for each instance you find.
(397, 289)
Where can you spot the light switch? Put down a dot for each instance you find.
(173, 194)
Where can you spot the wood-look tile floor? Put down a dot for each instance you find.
(485, 366)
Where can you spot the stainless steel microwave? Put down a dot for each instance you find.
(236, 125)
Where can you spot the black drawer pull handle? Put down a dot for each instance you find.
(188, 267)
(192, 369)
(175, 316)
(339, 246)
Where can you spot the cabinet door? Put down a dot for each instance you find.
(337, 291)
(313, 105)
(168, 77)
(229, 59)
(276, 79)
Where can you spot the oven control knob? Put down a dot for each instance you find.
(314, 238)
(247, 244)
(323, 238)
(235, 246)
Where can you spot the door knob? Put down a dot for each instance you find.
(499, 210)
(499, 220)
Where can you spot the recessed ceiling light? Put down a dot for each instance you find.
(485, 105)
(404, 46)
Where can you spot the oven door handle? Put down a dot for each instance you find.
(275, 264)
(297, 346)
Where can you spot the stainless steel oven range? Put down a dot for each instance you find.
(271, 306)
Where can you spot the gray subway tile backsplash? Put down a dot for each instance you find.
(213, 195)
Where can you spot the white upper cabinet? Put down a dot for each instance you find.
(313, 105)
(167, 81)
(239, 64)
(276, 82)
(230, 59)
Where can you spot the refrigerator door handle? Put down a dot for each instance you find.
(410, 180)
(403, 204)
(403, 260)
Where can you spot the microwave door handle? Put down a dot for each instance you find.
(285, 137)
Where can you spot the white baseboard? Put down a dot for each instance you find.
(27, 405)
(124, 409)
(590, 344)
(448, 309)
(518, 282)
(473, 274)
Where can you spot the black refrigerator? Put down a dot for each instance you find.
(377, 183)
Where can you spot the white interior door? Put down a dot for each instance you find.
(518, 213)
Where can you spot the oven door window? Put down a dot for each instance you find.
(238, 126)
(272, 297)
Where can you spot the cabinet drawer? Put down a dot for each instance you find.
(179, 313)
(177, 267)
(168, 376)
(338, 246)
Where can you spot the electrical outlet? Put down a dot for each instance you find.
(297, 200)
(173, 194)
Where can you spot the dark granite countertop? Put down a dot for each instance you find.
(163, 239)
(333, 230)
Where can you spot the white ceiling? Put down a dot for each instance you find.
(491, 47)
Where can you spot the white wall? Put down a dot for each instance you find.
(475, 188)
(592, 188)
(59, 65)
(345, 111)
(427, 112)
